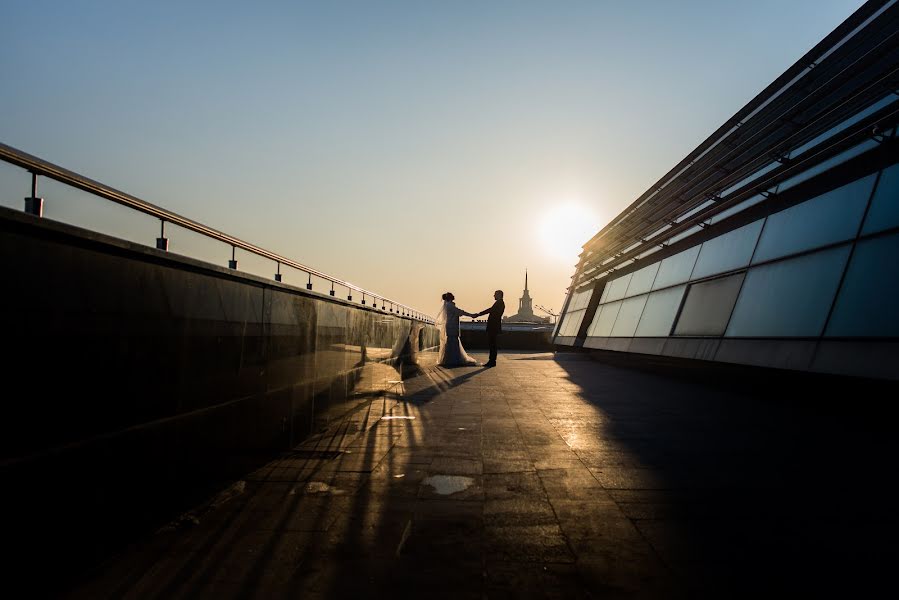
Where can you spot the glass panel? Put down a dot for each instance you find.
(708, 306)
(850, 121)
(581, 299)
(658, 316)
(789, 298)
(605, 293)
(618, 287)
(695, 210)
(642, 280)
(764, 170)
(605, 319)
(867, 301)
(676, 269)
(572, 322)
(827, 164)
(738, 208)
(727, 252)
(685, 234)
(829, 218)
(884, 211)
(629, 316)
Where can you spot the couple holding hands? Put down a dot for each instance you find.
(452, 354)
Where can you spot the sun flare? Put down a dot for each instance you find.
(565, 228)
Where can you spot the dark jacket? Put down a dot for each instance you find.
(495, 318)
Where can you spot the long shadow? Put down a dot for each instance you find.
(745, 479)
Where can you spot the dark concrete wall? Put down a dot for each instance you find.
(136, 381)
(509, 339)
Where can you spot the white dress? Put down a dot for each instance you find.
(452, 354)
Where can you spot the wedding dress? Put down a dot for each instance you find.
(452, 354)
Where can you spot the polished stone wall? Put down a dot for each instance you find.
(135, 380)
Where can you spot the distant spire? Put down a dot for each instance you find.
(525, 279)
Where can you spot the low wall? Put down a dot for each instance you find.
(146, 379)
(474, 337)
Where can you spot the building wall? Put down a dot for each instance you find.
(136, 381)
(810, 284)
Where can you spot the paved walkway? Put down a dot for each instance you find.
(548, 476)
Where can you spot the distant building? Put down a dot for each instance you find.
(525, 310)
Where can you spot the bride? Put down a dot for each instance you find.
(452, 354)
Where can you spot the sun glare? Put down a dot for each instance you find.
(565, 228)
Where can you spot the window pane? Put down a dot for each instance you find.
(727, 252)
(658, 316)
(884, 212)
(867, 301)
(829, 218)
(629, 316)
(790, 298)
(848, 122)
(605, 319)
(642, 280)
(827, 164)
(738, 208)
(708, 306)
(618, 287)
(581, 299)
(676, 269)
(572, 322)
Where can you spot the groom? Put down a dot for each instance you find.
(494, 324)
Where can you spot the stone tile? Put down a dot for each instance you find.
(451, 465)
(526, 543)
(513, 485)
(526, 510)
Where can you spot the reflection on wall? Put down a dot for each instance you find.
(145, 377)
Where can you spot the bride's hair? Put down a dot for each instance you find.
(448, 296)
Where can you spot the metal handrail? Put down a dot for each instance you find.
(39, 167)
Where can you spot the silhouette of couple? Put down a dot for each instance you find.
(452, 354)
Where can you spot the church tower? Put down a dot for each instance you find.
(525, 311)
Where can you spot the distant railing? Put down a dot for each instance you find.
(34, 205)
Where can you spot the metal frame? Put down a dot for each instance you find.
(852, 68)
(38, 167)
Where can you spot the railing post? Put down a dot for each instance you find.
(33, 204)
(309, 283)
(332, 288)
(278, 273)
(161, 242)
(232, 264)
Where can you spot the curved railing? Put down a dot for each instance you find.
(34, 205)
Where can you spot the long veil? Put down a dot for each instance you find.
(440, 321)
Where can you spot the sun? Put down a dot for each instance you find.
(565, 228)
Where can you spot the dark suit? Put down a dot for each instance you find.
(494, 325)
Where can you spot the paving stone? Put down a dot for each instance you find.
(584, 480)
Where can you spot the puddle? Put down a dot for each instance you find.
(389, 417)
(449, 484)
(317, 487)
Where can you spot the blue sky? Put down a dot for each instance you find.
(408, 147)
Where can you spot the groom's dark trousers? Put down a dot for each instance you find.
(494, 326)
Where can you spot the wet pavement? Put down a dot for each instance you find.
(549, 476)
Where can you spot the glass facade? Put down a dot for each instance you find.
(826, 219)
(571, 322)
(818, 267)
(727, 252)
(884, 211)
(660, 311)
(867, 303)
(676, 269)
(629, 316)
(708, 306)
(789, 298)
